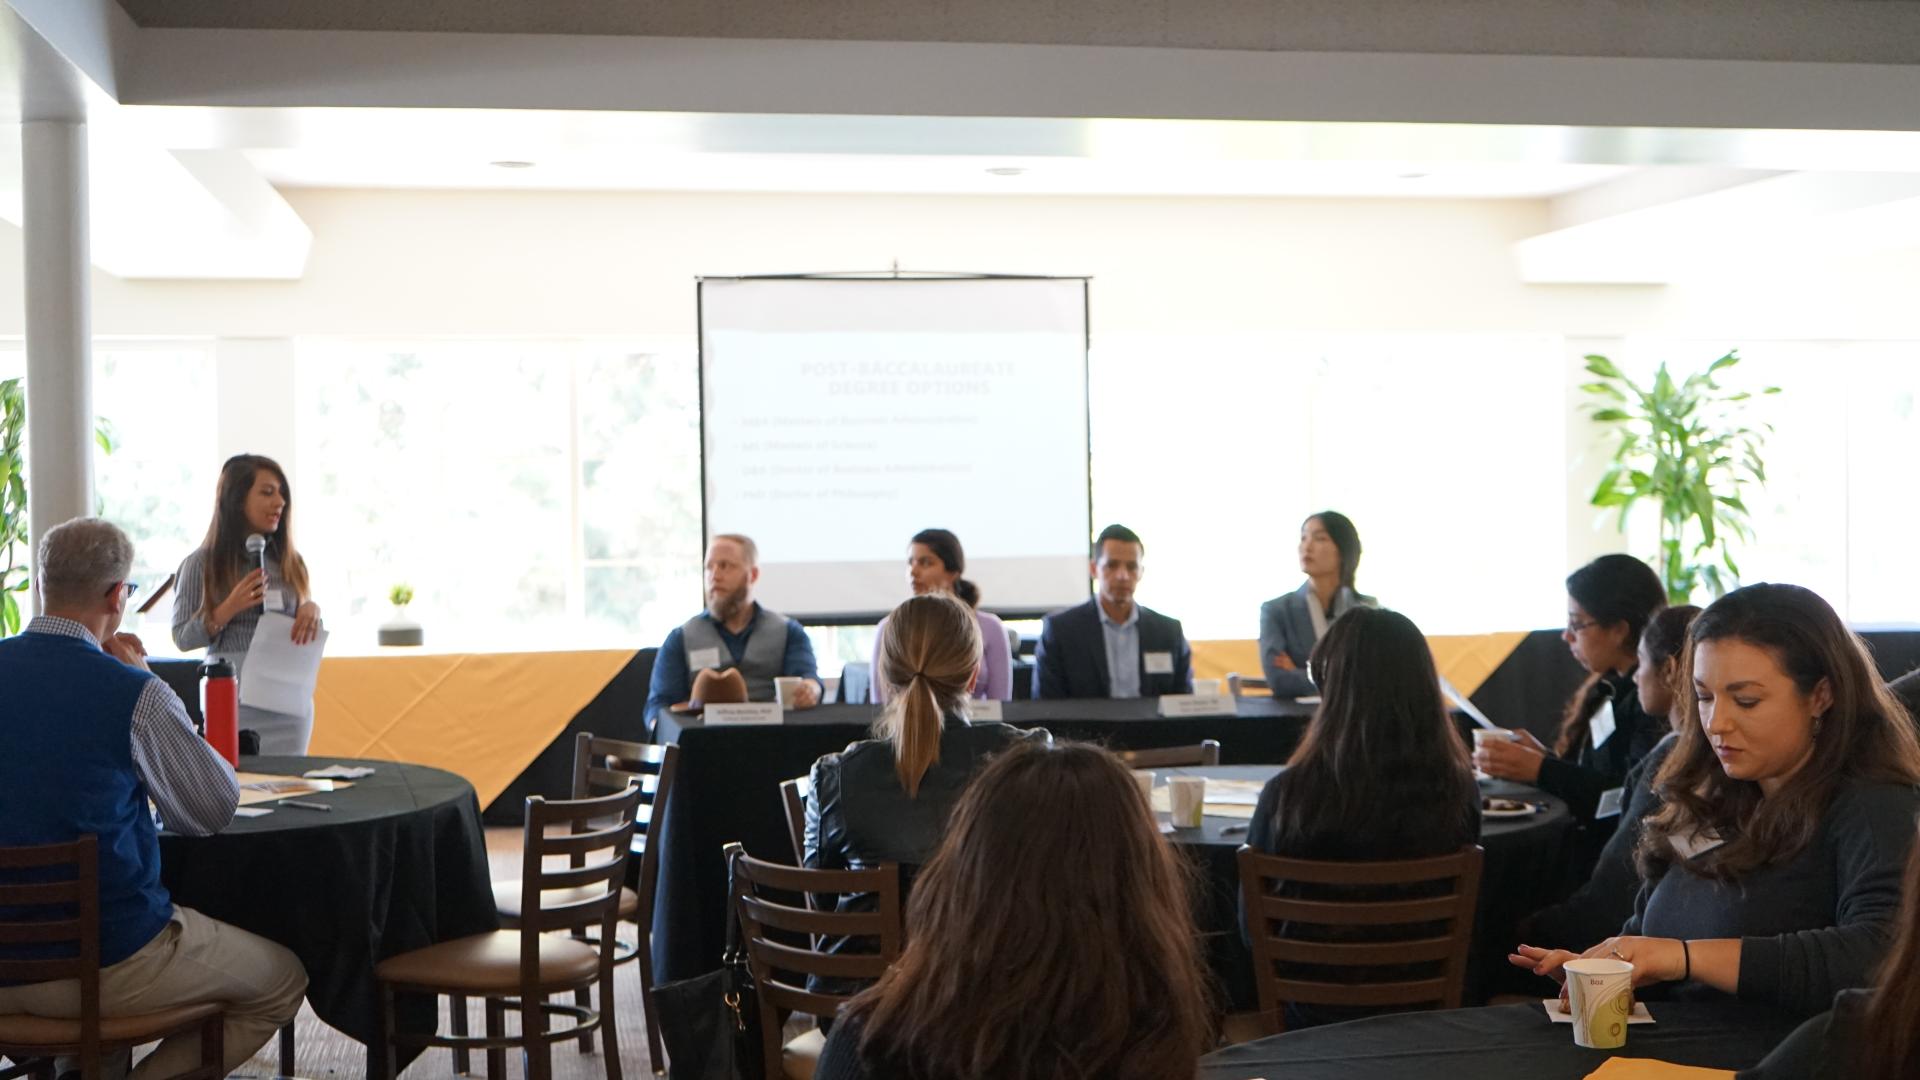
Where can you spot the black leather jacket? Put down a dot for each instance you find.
(858, 815)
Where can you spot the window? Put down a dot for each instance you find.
(533, 494)
(1448, 452)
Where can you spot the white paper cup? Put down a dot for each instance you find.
(1207, 688)
(1600, 994)
(1144, 777)
(1187, 797)
(1481, 736)
(787, 689)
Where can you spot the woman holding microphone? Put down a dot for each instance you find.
(226, 584)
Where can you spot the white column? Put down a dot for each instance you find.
(59, 314)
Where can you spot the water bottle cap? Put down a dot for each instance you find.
(217, 669)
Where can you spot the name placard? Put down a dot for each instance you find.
(752, 712)
(1196, 705)
(984, 710)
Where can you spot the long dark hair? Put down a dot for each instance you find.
(1045, 953)
(1613, 589)
(927, 658)
(1346, 538)
(1865, 736)
(225, 548)
(946, 547)
(1890, 1045)
(1381, 738)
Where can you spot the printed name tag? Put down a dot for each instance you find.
(983, 710)
(751, 712)
(700, 659)
(1601, 723)
(1159, 663)
(272, 600)
(1196, 705)
(1694, 844)
(1610, 801)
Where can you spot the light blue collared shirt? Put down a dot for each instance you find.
(1123, 652)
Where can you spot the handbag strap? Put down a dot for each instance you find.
(733, 956)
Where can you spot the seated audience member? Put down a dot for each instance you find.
(1598, 908)
(887, 799)
(1604, 733)
(1907, 689)
(1868, 1034)
(87, 736)
(1380, 774)
(1051, 936)
(1110, 646)
(936, 563)
(734, 633)
(1291, 625)
(1773, 865)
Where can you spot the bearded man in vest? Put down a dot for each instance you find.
(87, 736)
(734, 635)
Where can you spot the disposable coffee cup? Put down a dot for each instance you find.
(787, 689)
(1144, 777)
(1207, 688)
(1187, 796)
(1482, 736)
(1600, 995)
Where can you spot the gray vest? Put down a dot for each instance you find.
(766, 650)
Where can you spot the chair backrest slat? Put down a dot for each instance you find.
(1206, 752)
(610, 819)
(793, 797)
(1393, 930)
(70, 909)
(602, 765)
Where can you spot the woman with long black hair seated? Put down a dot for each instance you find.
(887, 799)
(1773, 867)
(1597, 908)
(1604, 732)
(1051, 937)
(1868, 1034)
(1291, 625)
(1381, 772)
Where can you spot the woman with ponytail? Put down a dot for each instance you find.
(886, 799)
(937, 564)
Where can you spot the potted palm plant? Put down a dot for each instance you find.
(1687, 448)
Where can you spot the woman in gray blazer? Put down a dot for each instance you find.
(1291, 625)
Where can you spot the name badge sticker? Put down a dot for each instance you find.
(1601, 723)
(1159, 663)
(1610, 801)
(700, 659)
(988, 710)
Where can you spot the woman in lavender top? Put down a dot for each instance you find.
(936, 563)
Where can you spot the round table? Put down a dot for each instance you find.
(1517, 878)
(1505, 1042)
(399, 862)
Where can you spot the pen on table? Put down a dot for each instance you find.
(1233, 829)
(305, 805)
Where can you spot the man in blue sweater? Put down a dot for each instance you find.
(87, 736)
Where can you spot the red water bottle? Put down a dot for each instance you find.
(220, 705)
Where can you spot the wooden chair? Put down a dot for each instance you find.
(1173, 757)
(62, 881)
(1237, 683)
(793, 796)
(603, 766)
(1399, 928)
(763, 896)
(521, 968)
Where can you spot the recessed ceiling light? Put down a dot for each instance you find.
(511, 164)
(1007, 170)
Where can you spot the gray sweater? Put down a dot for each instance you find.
(1812, 925)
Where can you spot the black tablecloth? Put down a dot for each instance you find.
(727, 789)
(1508, 1042)
(399, 863)
(1521, 867)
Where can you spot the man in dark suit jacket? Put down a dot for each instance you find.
(1111, 647)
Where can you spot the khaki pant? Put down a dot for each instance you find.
(193, 959)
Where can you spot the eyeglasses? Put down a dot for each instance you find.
(131, 587)
(1574, 626)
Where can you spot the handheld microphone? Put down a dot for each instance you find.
(257, 547)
